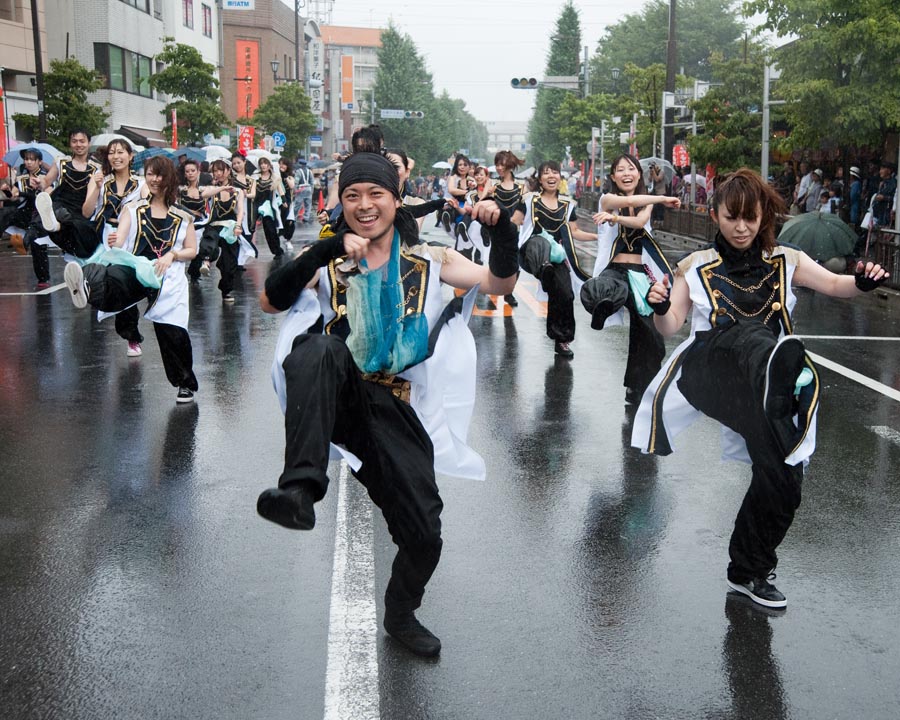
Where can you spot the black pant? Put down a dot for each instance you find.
(115, 288)
(77, 235)
(228, 264)
(40, 261)
(328, 401)
(207, 249)
(646, 347)
(534, 257)
(723, 376)
(270, 229)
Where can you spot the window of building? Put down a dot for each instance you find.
(10, 10)
(207, 20)
(123, 69)
(139, 4)
(187, 13)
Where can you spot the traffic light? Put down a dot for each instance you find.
(524, 83)
(413, 114)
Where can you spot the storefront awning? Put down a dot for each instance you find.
(143, 136)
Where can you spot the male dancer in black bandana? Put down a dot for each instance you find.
(351, 372)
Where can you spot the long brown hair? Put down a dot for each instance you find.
(744, 193)
(165, 168)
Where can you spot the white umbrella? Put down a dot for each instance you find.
(106, 138)
(257, 153)
(527, 172)
(441, 165)
(666, 166)
(216, 152)
(696, 179)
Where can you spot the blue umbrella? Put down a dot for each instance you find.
(48, 153)
(144, 155)
(195, 154)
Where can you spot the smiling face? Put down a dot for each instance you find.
(79, 144)
(265, 167)
(549, 179)
(369, 210)
(118, 156)
(153, 181)
(481, 176)
(626, 176)
(238, 164)
(738, 229)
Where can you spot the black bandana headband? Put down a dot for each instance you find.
(366, 167)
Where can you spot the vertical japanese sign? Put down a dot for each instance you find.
(174, 129)
(247, 58)
(245, 138)
(4, 170)
(316, 76)
(346, 82)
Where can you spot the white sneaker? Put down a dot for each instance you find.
(44, 205)
(78, 287)
(134, 350)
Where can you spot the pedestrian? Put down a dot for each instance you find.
(885, 198)
(153, 240)
(855, 195)
(547, 251)
(60, 208)
(742, 366)
(303, 179)
(814, 191)
(802, 193)
(21, 214)
(375, 384)
(625, 250)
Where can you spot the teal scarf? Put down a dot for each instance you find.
(382, 338)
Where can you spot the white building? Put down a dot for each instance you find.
(507, 136)
(120, 38)
(17, 63)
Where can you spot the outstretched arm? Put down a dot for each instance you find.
(812, 275)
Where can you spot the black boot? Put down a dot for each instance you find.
(409, 632)
(290, 506)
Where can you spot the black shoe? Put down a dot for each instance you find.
(760, 591)
(445, 221)
(413, 635)
(563, 350)
(184, 394)
(601, 314)
(485, 236)
(511, 300)
(290, 507)
(632, 396)
(782, 370)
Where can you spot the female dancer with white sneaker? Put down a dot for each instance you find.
(742, 366)
(154, 239)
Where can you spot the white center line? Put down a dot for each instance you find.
(848, 337)
(886, 432)
(351, 676)
(45, 291)
(857, 377)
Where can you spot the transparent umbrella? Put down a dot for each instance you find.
(667, 168)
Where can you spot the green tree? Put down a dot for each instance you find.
(840, 77)
(287, 110)
(191, 81)
(641, 38)
(729, 114)
(564, 59)
(66, 88)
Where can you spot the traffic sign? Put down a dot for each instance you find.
(315, 141)
(392, 114)
(279, 138)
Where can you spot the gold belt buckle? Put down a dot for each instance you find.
(399, 387)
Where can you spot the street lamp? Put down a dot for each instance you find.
(273, 63)
(615, 73)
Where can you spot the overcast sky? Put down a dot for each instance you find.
(474, 47)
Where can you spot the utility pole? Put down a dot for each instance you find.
(38, 73)
(671, 60)
(297, 37)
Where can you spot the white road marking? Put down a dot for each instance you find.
(351, 677)
(45, 291)
(886, 432)
(848, 337)
(857, 377)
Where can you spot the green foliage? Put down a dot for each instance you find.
(840, 76)
(66, 87)
(702, 27)
(575, 118)
(730, 114)
(191, 80)
(287, 110)
(564, 59)
(403, 83)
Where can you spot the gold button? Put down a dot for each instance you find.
(717, 293)
(776, 285)
(720, 311)
(776, 306)
(342, 310)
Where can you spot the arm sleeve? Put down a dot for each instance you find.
(285, 284)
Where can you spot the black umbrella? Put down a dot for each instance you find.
(822, 236)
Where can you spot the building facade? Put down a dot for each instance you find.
(351, 66)
(120, 39)
(507, 136)
(17, 62)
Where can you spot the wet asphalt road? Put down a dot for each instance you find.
(581, 580)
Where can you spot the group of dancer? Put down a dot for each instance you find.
(373, 366)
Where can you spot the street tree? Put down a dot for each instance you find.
(191, 82)
(640, 38)
(576, 116)
(66, 105)
(729, 114)
(287, 110)
(840, 76)
(563, 59)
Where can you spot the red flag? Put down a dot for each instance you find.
(321, 206)
(174, 129)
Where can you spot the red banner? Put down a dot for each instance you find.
(245, 138)
(246, 53)
(680, 157)
(174, 129)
